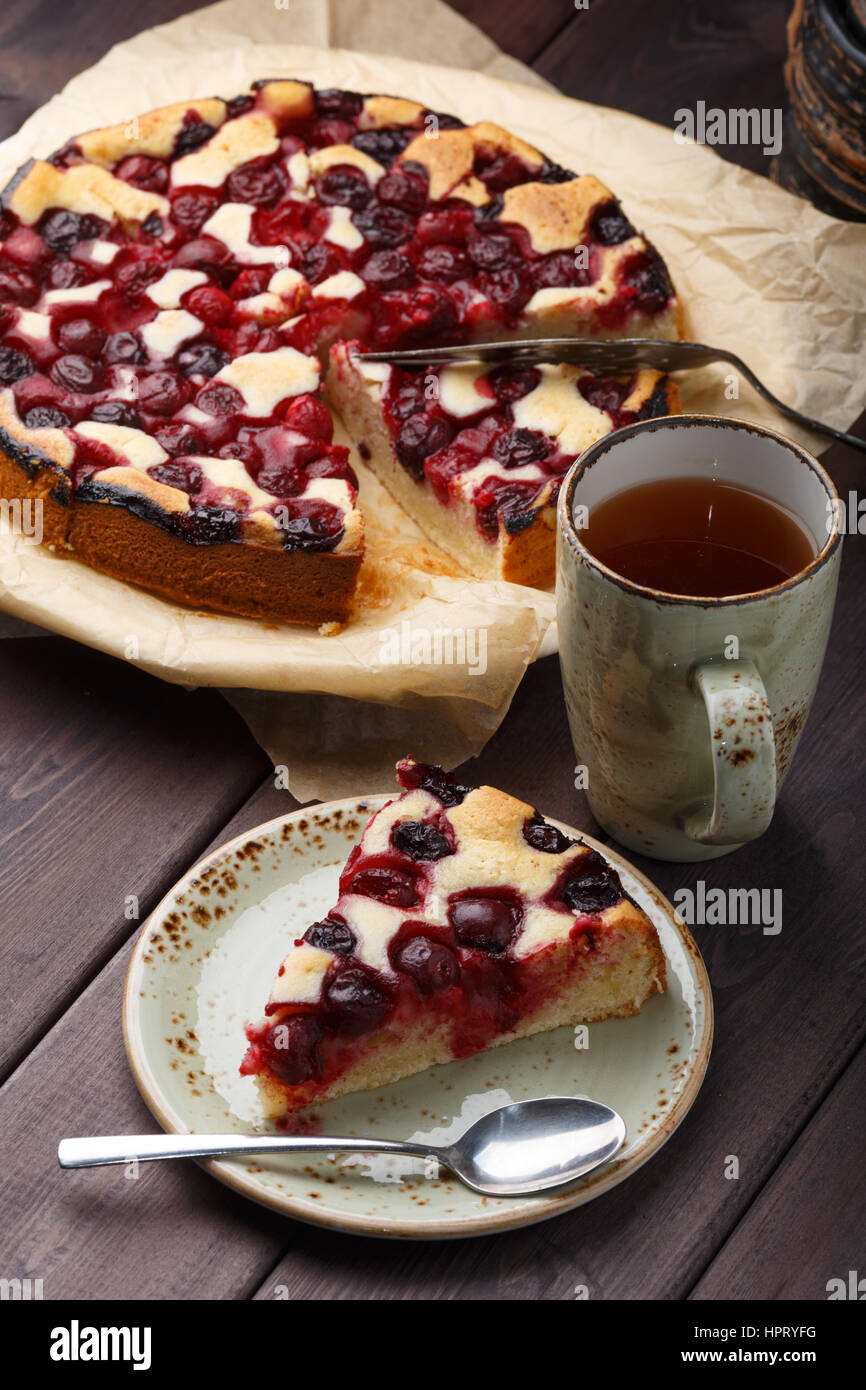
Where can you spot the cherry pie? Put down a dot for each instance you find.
(464, 920)
(477, 455)
(167, 286)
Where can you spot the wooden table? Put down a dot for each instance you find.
(113, 784)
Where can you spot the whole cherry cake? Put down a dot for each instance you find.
(465, 920)
(169, 285)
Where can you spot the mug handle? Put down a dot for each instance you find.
(744, 753)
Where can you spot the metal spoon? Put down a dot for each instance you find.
(527, 1147)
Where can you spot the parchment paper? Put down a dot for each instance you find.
(758, 270)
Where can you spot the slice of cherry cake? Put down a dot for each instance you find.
(477, 454)
(167, 285)
(464, 920)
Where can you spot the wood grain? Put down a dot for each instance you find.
(652, 60)
(110, 782)
(806, 1227)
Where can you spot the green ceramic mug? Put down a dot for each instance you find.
(685, 749)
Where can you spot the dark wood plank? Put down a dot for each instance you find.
(43, 45)
(110, 782)
(806, 1227)
(523, 31)
(652, 60)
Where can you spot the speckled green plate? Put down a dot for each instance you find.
(203, 968)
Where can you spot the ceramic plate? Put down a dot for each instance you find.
(203, 968)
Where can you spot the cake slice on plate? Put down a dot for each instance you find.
(477, 454)
(464, 920)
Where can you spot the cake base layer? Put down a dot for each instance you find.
(252, 581)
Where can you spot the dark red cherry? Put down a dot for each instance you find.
(143, 172)
(211, 305)
(67, 275)
(204, 253)
(220, 399)
(420, 314)
(591, 885)
(115, 413)
(604, 395)
(559, 269)
(610, 225)
(61, 229)
(253, 280)
(420, 436)
(420, 840)
(432, 779)
(17, 287)
(201, 359)
(123, 349)
(384, 226)
(13, 365)
(329, 132)
(191, 136)
(26, 248)
(81, 336)
(309, 416)
(45, 417)
(509, 289)
(391, 886)
(185, 476)
(432, 966)
(512, 502)
(541, 835)
(407, 396)
(344, 186)
(161, 393)
(353, 1002)
(388, 270)
(179, 439)
(443, 262)
(402, 190)
(503, 171)
(132, 277)
(383, 145)
(490, 251)
(336, 105)
(239, 106)
(310, 525)
(191, 209)
(649, 281)
(319, 262)
(520, 446)
(292, 1049)
(76, 373)
(445, 224)
(483, 923)
(257, 182)
(513, 383)
(331, 935)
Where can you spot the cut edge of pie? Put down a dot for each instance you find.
(464, 921)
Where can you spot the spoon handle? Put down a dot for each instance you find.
(99, 1150)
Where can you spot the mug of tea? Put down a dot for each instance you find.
(697, 563)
